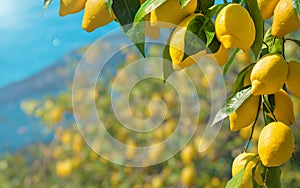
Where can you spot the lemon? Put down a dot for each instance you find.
(177, 43)
(221, 56)
(268, 74)
(188, 154)
(188, 174)
(235, 27)
(283, 110)
(275, 144)
(63, 168)
(293, 78)
(285, 19)
(245, 133)
(267, 7)
(71, 6)
(239, 163)
(245, 115)
(96, 14)
(157, 182)
(170, 12)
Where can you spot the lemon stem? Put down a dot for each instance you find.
(253, 126)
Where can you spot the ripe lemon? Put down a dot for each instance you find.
(283, 110)
(71, 6)
(285, 19)
(63, 168)
(188, 174)
(267, 7)
(188, 154)
(170, 12)
(221, 56)
(235, 27)
(245, 115)
(239, 163)
(275, 144)
(293, 78)
(177, 43)
(96, 14)
(268, 74)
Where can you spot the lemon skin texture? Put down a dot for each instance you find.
(269, 74)
(275, 144)
(235, 27)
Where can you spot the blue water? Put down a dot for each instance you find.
(30, 43)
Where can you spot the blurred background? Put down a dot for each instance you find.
(40, 145)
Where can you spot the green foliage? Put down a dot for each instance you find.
(272, 44)
(236, 181)
(296, 4)
(46, 5)
(183, 3)
(146, 8)
(232, 104)
(239, 82)
(255, 13)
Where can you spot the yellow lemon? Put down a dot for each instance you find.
(283, 110)
(188, 154)
(188, 174)
(221, 56)
(275, 144)
(235, 27)
(245, 115)
(63, 168)
(177, 43)
(96, 14)
(239, 163)
(269, 74)
(293, 78)
(156, 182)
(245, 133)
(170, 12)
(285, 19)
(71, 6)
(267, 7)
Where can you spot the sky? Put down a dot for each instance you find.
(30, 43)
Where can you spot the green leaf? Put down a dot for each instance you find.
(213, 46)
(205, 4)
(255, 13)
(146, 8)
(137, 36)
(272, 44)
(197, 38)
(269, 103)
(273, 177)
(232, 104)
(167, 66)
(125, 11)
(239, 82)
(230, 61)
(109, 4)
(183, 3)
(294, 40)
(236, 181)
(214, 10)
(296, 5)
(46, 5)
